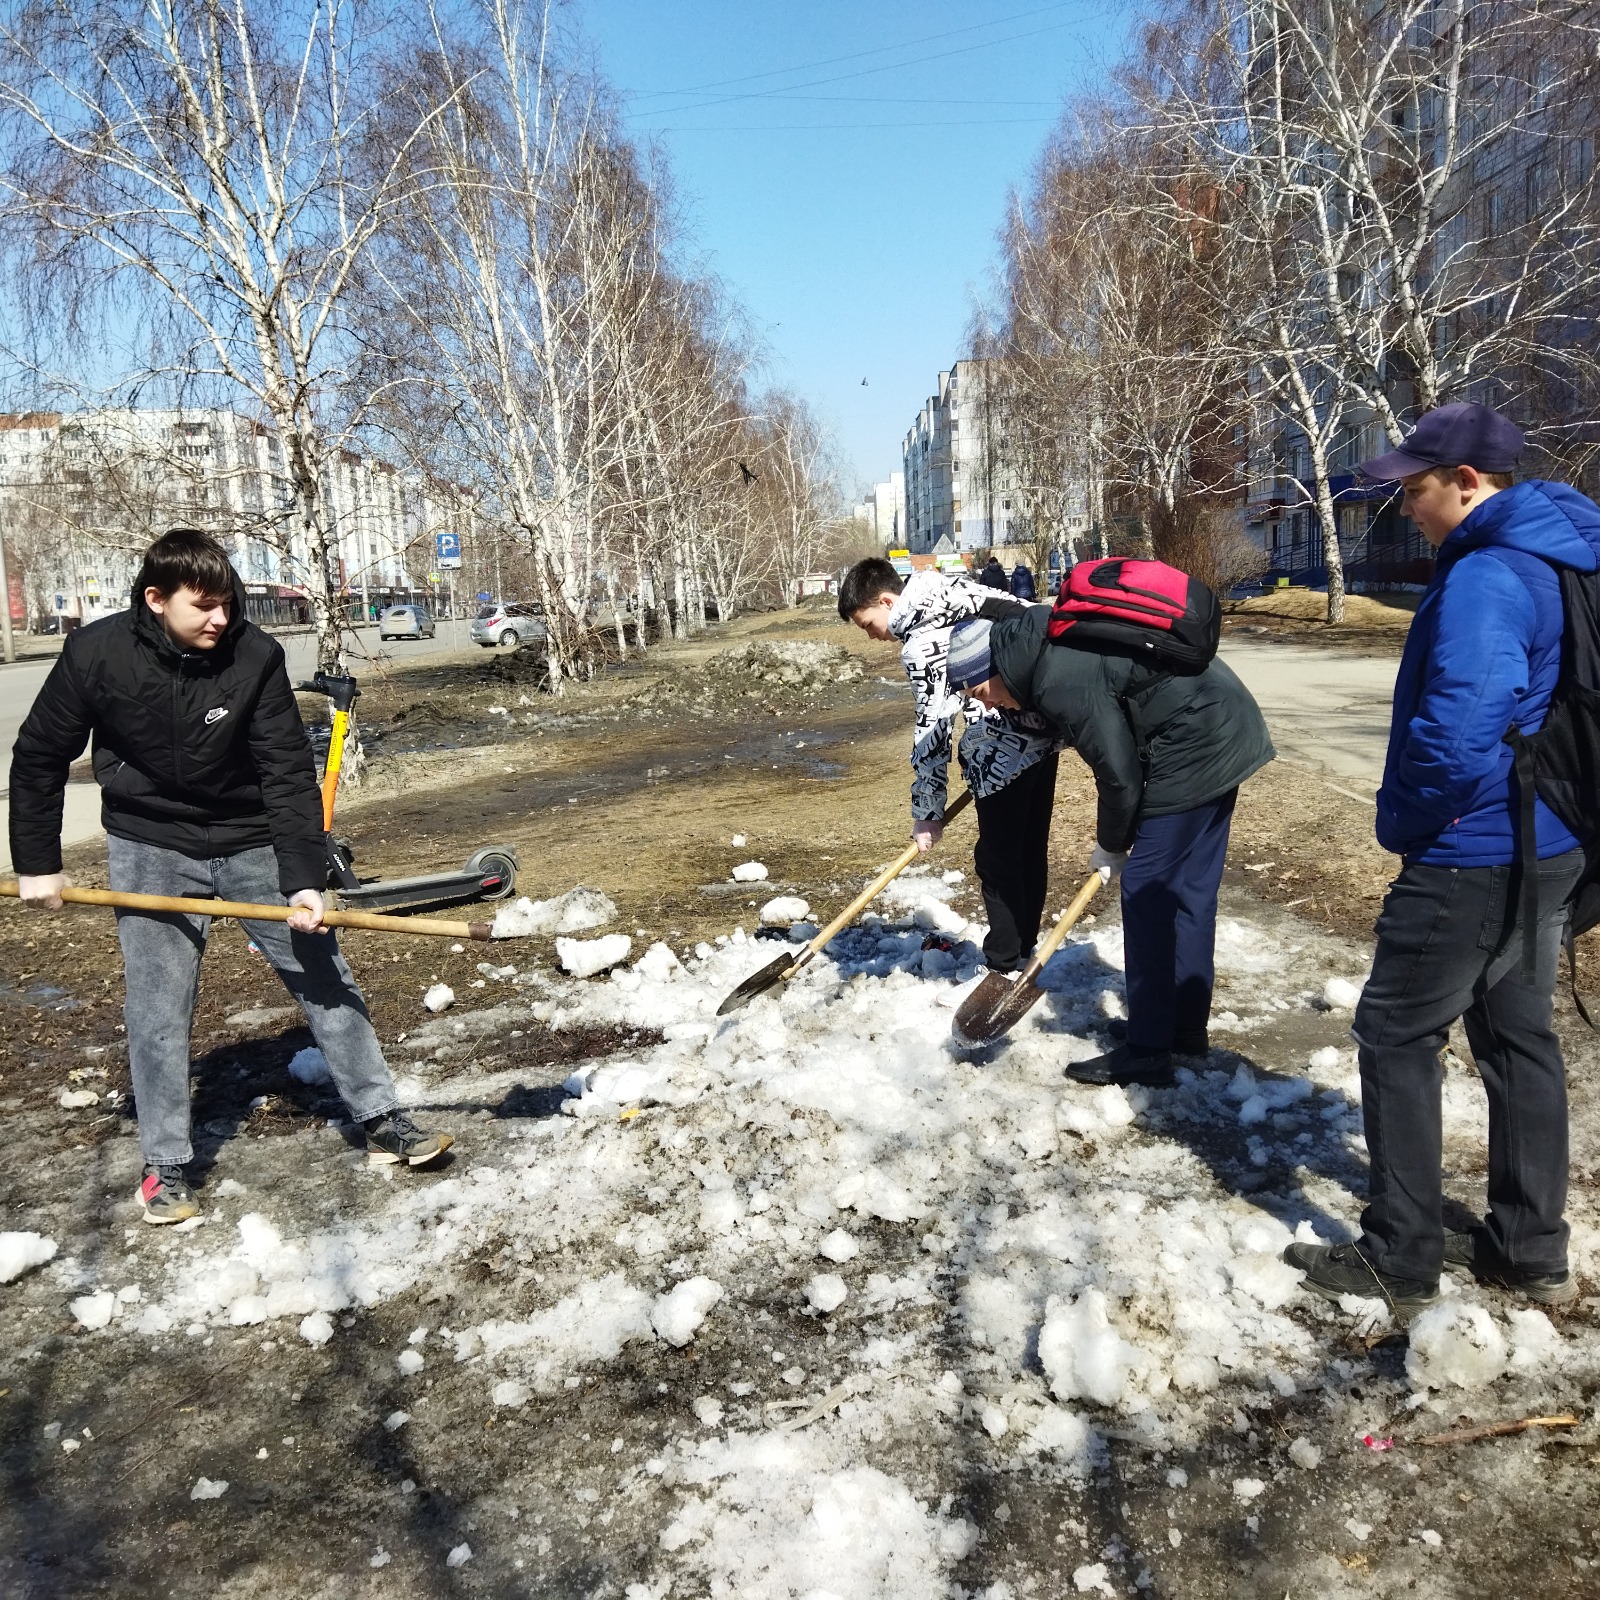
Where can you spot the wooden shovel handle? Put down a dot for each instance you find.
(374, 921)
(1052, 940)
(873, 889)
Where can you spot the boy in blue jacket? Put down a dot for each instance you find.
(1482, 656)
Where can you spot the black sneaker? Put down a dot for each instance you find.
(1125, 1065)
(1340, 1269)
(396, 1137)
(1194, 1044)
(1474, 1254)
(165, 1196)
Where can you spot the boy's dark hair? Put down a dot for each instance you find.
(186, 558)
(864, 582)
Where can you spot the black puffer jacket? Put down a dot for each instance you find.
(1201, 735)
(199, 751)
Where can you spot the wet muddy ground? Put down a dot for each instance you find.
(635, 785)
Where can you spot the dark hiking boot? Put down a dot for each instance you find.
(396, 1137)
(1194, 1044)
(1472, 1253)
(1125, 1065)
(165, 1196)
(1340, 1269)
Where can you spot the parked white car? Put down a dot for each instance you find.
(509, 624)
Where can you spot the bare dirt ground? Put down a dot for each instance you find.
(635, 784)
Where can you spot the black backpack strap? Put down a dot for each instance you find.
(1528, 847)
(1569, 944)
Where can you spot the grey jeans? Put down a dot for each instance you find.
(161, 958)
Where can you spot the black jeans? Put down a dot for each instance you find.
(1012, 859)
(1450, 945)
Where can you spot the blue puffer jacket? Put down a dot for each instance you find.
(1484, 652)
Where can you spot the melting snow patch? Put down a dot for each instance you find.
(839, 1246)
(311, 1066)
(208, 1489)
(439, 997)
(750, 872)
(678, 1315)
(773, 1507)
(1340, 994)
(77, 1099)
(1454, 1345)
(94, 1310)
(826, 1292)
(317, 1328)
(784, 911)
(573, 912)
(22, 1252)
(582, 958)
(1083, 1356)
(459, 1556)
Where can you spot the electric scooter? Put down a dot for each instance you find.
(489, 874)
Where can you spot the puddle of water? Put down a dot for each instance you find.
(39, 996)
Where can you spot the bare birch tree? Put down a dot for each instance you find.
(205, 166)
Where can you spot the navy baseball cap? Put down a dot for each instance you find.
(1459, 435)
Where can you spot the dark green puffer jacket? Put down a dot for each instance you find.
(1201, 735)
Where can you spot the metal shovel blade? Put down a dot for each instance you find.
(767, 977)
(994, 1008)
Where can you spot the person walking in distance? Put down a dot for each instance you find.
(1008, 760)
(1472, 924)
(209, 790)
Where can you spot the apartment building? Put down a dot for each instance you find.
(962, 489)
(81, 494)
(884, 511)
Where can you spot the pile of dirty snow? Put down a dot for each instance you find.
(798, 664)
(915, 1256)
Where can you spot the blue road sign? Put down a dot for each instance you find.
(447, 549)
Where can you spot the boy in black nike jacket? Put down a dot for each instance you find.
(208, 789)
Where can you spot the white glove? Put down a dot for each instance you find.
(927, 833)
(308, 918)
(1108, 863)
(44, 890)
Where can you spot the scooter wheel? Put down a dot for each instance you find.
(494, 862)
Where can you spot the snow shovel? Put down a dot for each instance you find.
(246, 912)
(999, 1003)
(786, 966)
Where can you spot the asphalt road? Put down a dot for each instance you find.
(21, 682)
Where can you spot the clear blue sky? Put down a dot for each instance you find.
(844, 165)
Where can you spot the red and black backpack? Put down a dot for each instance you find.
(1144, 609)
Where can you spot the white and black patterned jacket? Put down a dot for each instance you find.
(996, 745)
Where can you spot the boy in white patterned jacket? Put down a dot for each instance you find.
(1008, 758)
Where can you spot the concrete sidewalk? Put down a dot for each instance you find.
(1326, 708)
